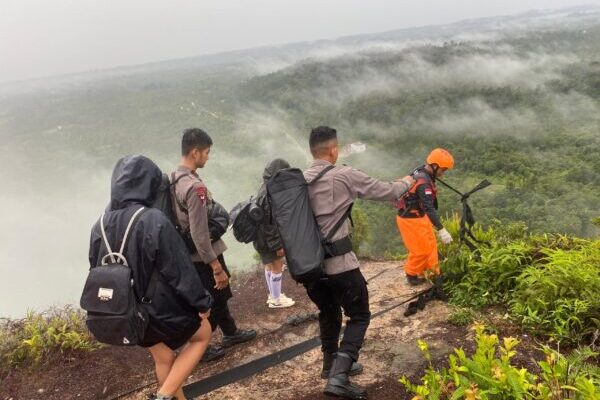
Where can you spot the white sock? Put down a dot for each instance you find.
(276, 285)
(268, 278)
(163, 397)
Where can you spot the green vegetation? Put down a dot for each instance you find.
(522, 109)
(360, 229)
(37, 338)
(533, 133)
(491, 374)
(462, 316)
(549, 283)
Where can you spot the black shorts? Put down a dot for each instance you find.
(268, 258)
(153, 336)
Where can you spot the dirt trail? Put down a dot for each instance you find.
(389, 351)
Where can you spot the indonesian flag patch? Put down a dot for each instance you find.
(428, 191)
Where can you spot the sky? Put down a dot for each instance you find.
(41, 38)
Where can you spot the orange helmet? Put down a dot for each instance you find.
(442, 158)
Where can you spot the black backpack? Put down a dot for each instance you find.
(246, 218)
(218, 220)
(218, 217)
(305, 248)
(114, 314)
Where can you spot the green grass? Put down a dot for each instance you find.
(37, 338)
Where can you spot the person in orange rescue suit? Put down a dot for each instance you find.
(417, 214)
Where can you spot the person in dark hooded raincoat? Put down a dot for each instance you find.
(268, 243)
(180, 306)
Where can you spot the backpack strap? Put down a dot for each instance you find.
(347, 214)
(344, 245)
(173, 192)
(338, 225)
(320, 174)
(112, 255)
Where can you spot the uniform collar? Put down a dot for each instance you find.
(183, 168)
(319, 162)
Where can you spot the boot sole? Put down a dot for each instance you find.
(233, 343)
(336, 393)
(213, 358)
(275, 305)
(325, 375)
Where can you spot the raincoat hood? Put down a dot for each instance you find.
(274, 166)
(135, 179)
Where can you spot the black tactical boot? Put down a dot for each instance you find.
(414, 280)
(240, 336)
(356, 368)
(213, 353)
(338, 384)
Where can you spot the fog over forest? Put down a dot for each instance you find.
(516, 99)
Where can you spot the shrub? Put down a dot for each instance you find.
(462, 316)
(490, 278)
(550, 283)
(559, 296)
(34, 339)
(490, 374)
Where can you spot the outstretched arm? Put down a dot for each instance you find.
(366, 187)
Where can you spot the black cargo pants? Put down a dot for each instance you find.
(219, 313)
(347, 291)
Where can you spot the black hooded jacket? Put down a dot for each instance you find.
(267, 238)
(153, 243)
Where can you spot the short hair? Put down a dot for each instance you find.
(194, 138)
(320, 136)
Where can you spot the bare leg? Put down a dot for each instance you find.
(186, 361)
(277, 266)
(163, 361)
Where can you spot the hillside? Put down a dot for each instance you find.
(515, 98)
(389, 352)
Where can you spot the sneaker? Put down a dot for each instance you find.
(213, 353)
(283, 296)
(270, 299)
(240, 336)
(283, 302)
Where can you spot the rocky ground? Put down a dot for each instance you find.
(389, 351)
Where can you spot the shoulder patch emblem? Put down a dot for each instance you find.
(202, 194)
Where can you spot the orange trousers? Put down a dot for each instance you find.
(419, 239)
